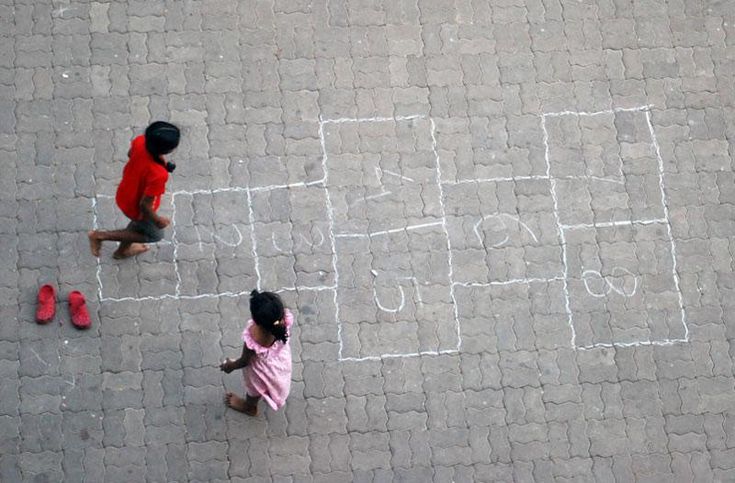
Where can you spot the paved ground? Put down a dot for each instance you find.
(506, 228)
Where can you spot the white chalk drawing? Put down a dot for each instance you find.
(402, 303)
(379, 173)
(595, 178)
(375, 196)
(416, 288)
(234, 243)
(382, 307)
(391, 231)
(619, 281)
(500, 217)
(38, 357)
(73, 382)
(316, 241)
(275, 243)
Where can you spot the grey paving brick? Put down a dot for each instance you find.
(41, 466)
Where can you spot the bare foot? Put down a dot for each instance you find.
(133, 250)
(94, 244)
(238, 404)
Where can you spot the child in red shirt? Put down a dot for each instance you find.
(140, 190)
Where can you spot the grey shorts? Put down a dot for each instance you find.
(148, 229)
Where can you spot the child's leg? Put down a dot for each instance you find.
(128, 241)
(249, 405)
(131, 238)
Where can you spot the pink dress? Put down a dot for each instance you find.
(269, 373)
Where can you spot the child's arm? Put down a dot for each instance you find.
(146, 207)
(229, 365)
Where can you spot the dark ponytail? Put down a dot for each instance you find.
(268, 312)
(280, 332)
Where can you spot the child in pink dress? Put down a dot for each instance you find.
(266, 355)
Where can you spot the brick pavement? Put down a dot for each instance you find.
(506, 229)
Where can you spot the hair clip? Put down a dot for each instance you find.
(277, 322)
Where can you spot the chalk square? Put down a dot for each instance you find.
(386, 210)
(394, 294)
(489, 147)
(214, 252)
(292, 237)
(512, 317)
(148, 275)
(503, 230)
(622, 285)
(604, 166)
(382, 174)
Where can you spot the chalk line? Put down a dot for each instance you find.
(388, 232)
(443, 211)
(37, 356)
(369, 119)
(610, 224)
(500, 179)
(400, 356)
(597, 113)
(177, 289)
(95, 226)
(675, 274)
(510, 282)
(609, 345)
(330, 216)
(319, 288)
(562, 238)
(380, 171)
(253, 241)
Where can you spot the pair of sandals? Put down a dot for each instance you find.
(46, 310)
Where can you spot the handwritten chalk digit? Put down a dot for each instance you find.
(500, 218)
(619, 281)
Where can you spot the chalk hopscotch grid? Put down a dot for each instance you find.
(442, 223)
(645, 110)
(562, 228)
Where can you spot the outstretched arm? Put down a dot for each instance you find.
(230, 365)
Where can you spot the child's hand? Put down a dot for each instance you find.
(227, 366)
(162, 222)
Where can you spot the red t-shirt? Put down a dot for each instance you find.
(142, 176)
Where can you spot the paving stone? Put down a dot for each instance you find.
(122, 390)
(45, 466)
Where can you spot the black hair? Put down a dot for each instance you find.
(268, 312)
(161, 138)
